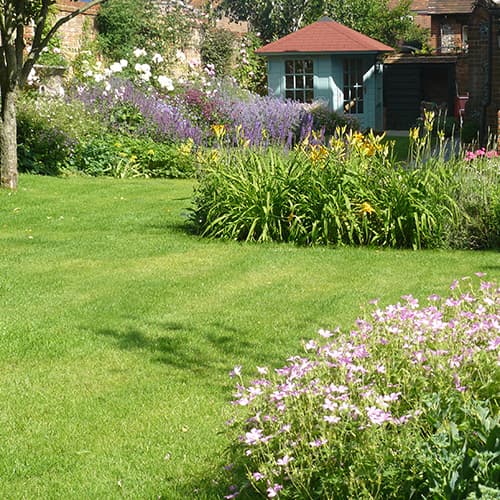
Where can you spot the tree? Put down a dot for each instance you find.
(276, 18)
(375, 19)
(16, 64)
(273, 18)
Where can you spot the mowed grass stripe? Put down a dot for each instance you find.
(118, 329)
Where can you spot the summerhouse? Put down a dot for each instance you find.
(330, 62)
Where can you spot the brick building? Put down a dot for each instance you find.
(484, 66)
(447, 22)
(465, 43)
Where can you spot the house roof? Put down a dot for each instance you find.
(327, 36)
(430, 7)
(450, 6)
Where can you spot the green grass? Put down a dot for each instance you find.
(401, 146)
(118, 328)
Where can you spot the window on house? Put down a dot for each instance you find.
(447, 38)
(299, 80)
(353, 86)
(465, 38)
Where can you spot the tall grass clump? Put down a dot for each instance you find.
(476, 188)
(405, 405)
(350, 189)
(470, 177)
(348, 192)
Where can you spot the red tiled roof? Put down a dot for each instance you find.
(324, 35)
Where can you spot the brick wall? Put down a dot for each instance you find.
(454, 40)
(484, 97)
(71, 33)
(495, 77)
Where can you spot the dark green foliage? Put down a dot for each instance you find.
(123, 25)
(461, 455)
(319, 196)
(41, 149)
(128, 24)
(277, 18)
(469, 132)
(125, 156)
(217, 49)
(330, 121)
(47, 132)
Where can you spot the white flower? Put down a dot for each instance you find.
(139, 52)
(143, 68)
(123, 63)
(98, 78)
(32, 77)
(56, 50)
(107, 87)
(180, 55)
(116, 67)
(165, 82)
(157, 58)
(145, 76)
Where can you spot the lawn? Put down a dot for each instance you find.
(401, 146)
(119, 327)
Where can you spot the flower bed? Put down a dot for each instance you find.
(404, 405)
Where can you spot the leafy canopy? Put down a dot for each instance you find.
(276, 18)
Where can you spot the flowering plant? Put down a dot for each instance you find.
(250, 70)
(404, 404)
(480, 153)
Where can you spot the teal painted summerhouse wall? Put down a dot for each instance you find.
(328, 83)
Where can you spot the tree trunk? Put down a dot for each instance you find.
(8, 141)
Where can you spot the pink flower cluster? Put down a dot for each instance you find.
(480, 153)
(366, 378)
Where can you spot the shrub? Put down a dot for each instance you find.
(125, 156)
(347, 193)
(202, 108)
(250, 71)
(329, 121)
(42, 149)
(128, 24)
(148, 112)
(192, 112)
(405, 405)
(48, 131)
(475, 185)
(217, 49)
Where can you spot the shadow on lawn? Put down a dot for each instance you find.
(197, 351)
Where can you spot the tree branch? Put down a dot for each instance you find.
(67, 18)
(39, 43)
